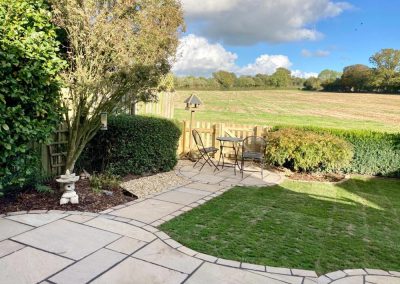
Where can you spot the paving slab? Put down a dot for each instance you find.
(204, 187)
(88, 268)
(79, 218)
(192, 190)
(67, 239)
(134, 270)
(148, 211)
(159, 253)
(30, 265)
(10, 228)
(180, 197)
(210, 179)
(123, 229)
(350, 280)
(284, 278)
(355, 272)
(126, 245)
(376, 271)
(7, 247)
(382, 279)
(216, 274)
(253, 266)
(37, 220)
(336, 275)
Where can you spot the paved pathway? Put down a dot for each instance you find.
(123, 245)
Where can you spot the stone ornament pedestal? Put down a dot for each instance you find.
(68, 182)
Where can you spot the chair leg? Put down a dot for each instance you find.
(216, 167)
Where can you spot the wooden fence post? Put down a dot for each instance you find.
(184, 137)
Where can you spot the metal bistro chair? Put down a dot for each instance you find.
(205, 153)
(253, 149)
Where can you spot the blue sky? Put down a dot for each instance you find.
(349, 33)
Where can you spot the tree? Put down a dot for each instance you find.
(225, 79)
(245, 82)
(329, 76)
(357, 78)
(312, 84)
(29, 92)
(387, 70)
(114, 49)
(282, 77)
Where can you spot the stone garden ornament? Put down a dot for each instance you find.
(68, 182)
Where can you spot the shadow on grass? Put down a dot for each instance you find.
(300, 225)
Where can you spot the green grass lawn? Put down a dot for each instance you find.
(293, 107)
(318, 226)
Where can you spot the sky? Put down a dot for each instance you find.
(248, 37)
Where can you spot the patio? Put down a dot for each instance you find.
(123, 244)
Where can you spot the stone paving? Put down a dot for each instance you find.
(123, 244)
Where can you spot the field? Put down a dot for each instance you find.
(284, 107)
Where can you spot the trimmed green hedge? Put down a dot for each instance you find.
(133, 145)
(375, 153)
(308, 151)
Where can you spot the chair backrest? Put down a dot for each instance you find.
(254, 144)
(197, 139)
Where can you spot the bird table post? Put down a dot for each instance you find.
(192, 104)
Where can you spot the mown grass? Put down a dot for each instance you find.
(298, 108)
(317, 226)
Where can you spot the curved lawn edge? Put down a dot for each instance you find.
(166, 239)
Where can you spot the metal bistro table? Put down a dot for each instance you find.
(234, 141)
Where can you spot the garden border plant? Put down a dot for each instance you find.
(133, 145)
(375, 153)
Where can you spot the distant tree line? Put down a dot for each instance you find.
(383, 77)
(282, 78)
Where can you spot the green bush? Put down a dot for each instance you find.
(133, 145)
(29, 86)
(106, 181)
(375, 153)
(307, 151)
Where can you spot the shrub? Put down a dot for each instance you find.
(99, 182)
(133, 145)
(29, 87)
(307, 151)
(375, 153)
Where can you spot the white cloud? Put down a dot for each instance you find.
(305, 75)
(246, 22)
(317, 53)
(197, 56)
(265, 64)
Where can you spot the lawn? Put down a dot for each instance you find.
(318, 226)
(293, 107)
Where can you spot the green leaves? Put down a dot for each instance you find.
(375, 153)
(308, 151)
(29, 86)
(133, 145)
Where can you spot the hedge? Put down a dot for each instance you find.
(375, 153)
(308, 151)
(29, 87)
(133, 145)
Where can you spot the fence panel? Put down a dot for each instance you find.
(209, 132)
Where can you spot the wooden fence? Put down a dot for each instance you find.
(210, 131)
(164, 107)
